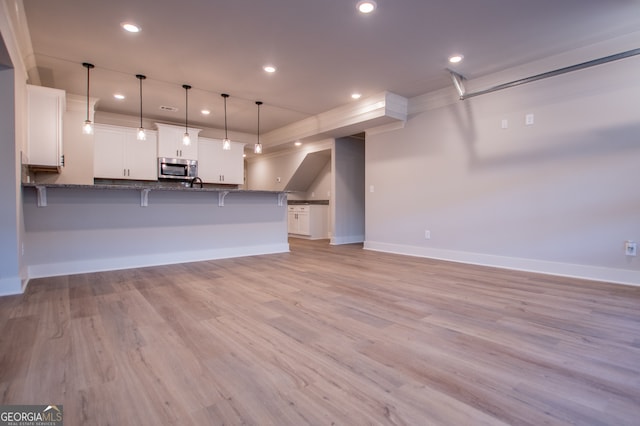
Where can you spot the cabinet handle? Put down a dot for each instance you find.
(124, 172)
(128, 172)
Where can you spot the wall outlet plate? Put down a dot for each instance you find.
(630, 248)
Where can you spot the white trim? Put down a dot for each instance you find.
(349, 239)
(595, 273)
(115, 263)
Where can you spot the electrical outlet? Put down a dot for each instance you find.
(427, 234)
(630, 248)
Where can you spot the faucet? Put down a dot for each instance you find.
(194, 181)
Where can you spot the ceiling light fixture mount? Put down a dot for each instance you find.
(141, 134)
(186, 140)
(226, 143)
(366, 6)
(87, 127)
(257, 149)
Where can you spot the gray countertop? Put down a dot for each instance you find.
(148, 186)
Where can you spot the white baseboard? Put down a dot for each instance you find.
(350, 239)
(111, 264)
(587, 272)
(10, 286)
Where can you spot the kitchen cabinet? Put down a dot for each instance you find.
(170, 142)
(308, 221)
(216, 165)
(45, 108)
(118, 154)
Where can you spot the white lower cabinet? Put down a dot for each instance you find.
(216, 165)
(309, 221)
(118, 154)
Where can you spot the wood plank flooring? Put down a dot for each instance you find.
(324, 335)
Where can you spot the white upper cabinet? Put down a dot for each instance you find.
(118, 154)
(170, 142)
(44, 130)
(216, 165)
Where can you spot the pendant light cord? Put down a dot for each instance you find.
(258, 103)
(140, 77)
(88, 76)
(88, 66)
(225, 96)
(186, 107)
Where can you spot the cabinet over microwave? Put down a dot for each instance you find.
(177, 168)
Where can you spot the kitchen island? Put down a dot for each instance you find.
(73, 229)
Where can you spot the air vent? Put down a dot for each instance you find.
(168, 108)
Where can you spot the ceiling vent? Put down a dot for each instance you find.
(168, 108)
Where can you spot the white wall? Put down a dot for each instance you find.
(559, 196)
(10, 238)
(348, 203)
(264, 170)
(13, 101)
(320, 189)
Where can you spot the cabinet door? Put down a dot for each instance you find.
(233, 164)
(304, 227)
(170, 142)
(44, 125)
(292, 223)
(140, 157)
(108, 153)
(216, 165)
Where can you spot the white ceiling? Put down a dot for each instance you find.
(324, 50)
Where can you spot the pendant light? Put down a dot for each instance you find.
(258, 147)
(87, 127)
(186, 140)
(142, 135)
(226, 143)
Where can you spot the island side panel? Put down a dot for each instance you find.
(86, 230)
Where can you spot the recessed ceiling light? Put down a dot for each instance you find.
(269, 68)
(356, 95)
(366, 6)
(132, 28)
(298, 143)
(119, 96)
(455, 59)
(205, 112)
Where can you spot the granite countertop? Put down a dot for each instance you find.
(152, 186)
(308, 202)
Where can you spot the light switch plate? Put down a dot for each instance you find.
(528, 119)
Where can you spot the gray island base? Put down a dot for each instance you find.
(72, 229)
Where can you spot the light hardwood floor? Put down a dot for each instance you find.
(324, 335)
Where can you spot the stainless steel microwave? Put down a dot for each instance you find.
(177, 168)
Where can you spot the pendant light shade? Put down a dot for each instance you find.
(87, 127)
(141, 134)
(258, 147)
(186, 140)
(226, 143)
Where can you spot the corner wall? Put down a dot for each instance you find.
(560, 196)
